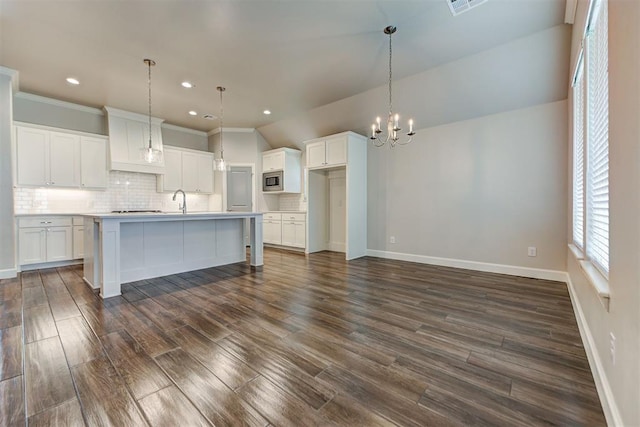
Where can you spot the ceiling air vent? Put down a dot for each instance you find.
(459, 6)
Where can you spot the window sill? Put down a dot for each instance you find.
(599, 283)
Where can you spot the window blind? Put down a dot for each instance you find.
(578, 156)
(597, 171)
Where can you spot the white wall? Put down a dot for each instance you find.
(619, 383)
(7, 233)
(480, 190)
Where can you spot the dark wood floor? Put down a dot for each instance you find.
(306, 341)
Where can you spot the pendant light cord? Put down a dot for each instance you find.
(221, 89)
(390, 77)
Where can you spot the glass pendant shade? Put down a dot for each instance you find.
(150, 154)
(220, 165)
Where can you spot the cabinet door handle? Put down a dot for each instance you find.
(45, 222)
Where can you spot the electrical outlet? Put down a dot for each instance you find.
(612, 348)
(392, 239)
(532, 251)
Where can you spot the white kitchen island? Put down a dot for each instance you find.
(125, 247)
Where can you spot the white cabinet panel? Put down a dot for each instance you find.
(205, 173)
(32, 155)
(78, 241)
(33, 246)
(316, 154)
(64, 161)
(336, 151)
(172, 178)
(190, 172)
(273, 161)
(93, 162)
(293, 233)
(59, 243)
(272, 232)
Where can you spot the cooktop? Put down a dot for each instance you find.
(138, 211)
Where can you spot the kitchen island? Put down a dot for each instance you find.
(125, 247)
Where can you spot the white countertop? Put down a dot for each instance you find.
(173, 216)
(302, 212)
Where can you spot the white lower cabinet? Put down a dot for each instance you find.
(45, 239)
(293, 230)
(272, 228)
(285, 229)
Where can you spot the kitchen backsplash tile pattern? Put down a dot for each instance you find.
(126, 191)
(292, 202)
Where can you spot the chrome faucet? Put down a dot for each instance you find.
(182, 206)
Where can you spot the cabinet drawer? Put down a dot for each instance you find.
(45, 221)
(293, 217)
(272, 216)
(78, 220)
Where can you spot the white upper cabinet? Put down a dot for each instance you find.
(93, 162)
(128, 135)
(273, 161)
(327, 152)
(188, 170)
(46, 158)
(51, 157)
(172, 178)
(64, 162)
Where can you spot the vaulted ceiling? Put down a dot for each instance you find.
(285, 56)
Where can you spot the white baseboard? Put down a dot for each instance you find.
(609, 407)
(8, 273)
(535, 273)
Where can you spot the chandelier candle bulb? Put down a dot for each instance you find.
(373, 130)
(410, 125)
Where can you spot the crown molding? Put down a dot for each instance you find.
(13, 74)
(232, 130)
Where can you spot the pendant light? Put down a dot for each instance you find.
(393, 127)
(219, 164)
(148, 153)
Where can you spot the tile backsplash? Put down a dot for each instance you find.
(126, 191)
(292, 202)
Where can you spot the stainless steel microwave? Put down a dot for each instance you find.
(273, 181)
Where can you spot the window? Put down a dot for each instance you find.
(591, 142)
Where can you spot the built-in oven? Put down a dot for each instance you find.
(272, 181)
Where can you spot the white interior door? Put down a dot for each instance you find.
(240, 193)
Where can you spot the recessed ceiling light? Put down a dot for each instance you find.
(187, 84)
(267, 112)
(73, 81)
(193, 113)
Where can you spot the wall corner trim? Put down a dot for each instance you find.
(8, 273)
(535, 273)
(609, 406)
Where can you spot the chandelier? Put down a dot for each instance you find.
(219, 164)
(148, 153)
(392, 135)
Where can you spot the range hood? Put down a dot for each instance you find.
(128, 134)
